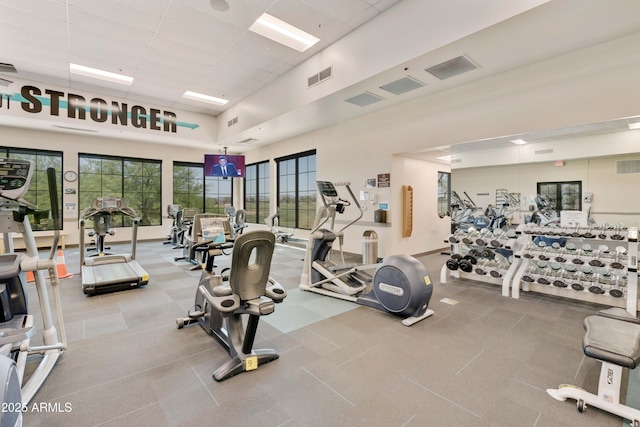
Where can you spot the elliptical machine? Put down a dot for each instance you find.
(16, 324)
(400, 284)
(174, 212)
(249, 290)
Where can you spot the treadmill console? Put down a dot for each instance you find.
(327, 188)
(15, 176)
(108, 203)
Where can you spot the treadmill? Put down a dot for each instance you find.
(103, 271)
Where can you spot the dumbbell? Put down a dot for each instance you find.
(452, 263)
(589, 233)
(620, 252)
(466, 264)
(481, 266)
(530, 273)
(483, 236)
(456, 237)
(616, 234)
(545, 273)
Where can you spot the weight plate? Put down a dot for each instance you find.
(616, 293)
(559, 284)
(471, 259)
(577, 287)
(466, 266)
(452, 264)
(596, 290)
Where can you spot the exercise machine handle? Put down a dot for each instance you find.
(55, 210)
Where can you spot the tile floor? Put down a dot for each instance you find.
(483, 362)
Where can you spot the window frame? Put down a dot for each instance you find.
(284, 218)
(190, 165)
(260, 181)
(123, 220)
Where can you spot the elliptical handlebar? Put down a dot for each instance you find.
(55, 212)
(334, 203)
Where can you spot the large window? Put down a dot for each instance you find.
(565, 196)
(188, 185)
(38, 192)
(256, 192)
(297, 190)
(137, 181)
(444, 193)
(218, 194)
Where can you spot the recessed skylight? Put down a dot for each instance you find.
(100, 74)
(282, 32)
(195, 96)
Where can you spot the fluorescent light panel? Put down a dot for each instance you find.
(446, 158)
(281, 32)
(100, 74)
(634, 125)
(204, 98)
(519, 141)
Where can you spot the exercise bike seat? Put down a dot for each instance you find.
(611, 338)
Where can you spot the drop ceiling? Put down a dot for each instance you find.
(377, 49)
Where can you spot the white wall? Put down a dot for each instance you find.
(350, 152)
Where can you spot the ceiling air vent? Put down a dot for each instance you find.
(547, 151)
(364, 99)
(247, 141)
(232, 121)
(7, 68)
(320, 77)
(402, 85)
(5, 82)
(452, 67)
(624, 167)
(456, 161)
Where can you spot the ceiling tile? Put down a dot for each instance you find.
(117, 12)
(109, 29)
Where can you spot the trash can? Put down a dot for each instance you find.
(369, 247)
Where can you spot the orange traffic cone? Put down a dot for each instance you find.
(61, 268)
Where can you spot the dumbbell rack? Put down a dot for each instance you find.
(469, 247)
(603, 277)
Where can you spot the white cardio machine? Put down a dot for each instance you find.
(400, 284)
(106, 272)
(18, 385)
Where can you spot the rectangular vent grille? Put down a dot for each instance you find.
(624, 167)
(456, 160)
(232, 121)
(7, 68)
(452, 67)
(364, 99)
(547, 151)
(320, 77)
(402, 85)
(247, 141)
(5, 82)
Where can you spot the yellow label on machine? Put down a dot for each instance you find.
(145, 277)
(251, 363)
(427, 280)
